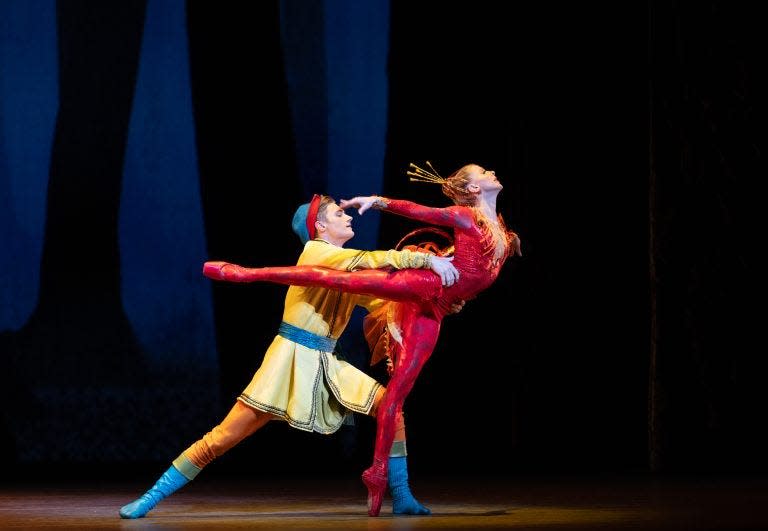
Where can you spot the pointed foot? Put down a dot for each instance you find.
(375, 479)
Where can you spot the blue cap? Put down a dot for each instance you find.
(305, 217)
(299, 223)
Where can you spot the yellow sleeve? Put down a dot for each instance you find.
(325, 254)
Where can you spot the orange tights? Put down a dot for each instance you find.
(242, 421)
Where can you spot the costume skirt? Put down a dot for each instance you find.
(310, 389)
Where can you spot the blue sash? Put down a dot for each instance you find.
(305, 338)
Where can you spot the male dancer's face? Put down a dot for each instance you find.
(336, 227)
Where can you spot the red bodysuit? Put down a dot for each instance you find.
(422, 302)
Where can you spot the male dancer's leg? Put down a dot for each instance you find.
(240, 422)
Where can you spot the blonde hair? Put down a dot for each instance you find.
(325, 200)
(455, 186)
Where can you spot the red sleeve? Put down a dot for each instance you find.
(453, 216)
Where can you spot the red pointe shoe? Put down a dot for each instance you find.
(213, 270)
(375, 479)
(230, 272)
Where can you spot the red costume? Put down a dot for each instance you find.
(480, 250)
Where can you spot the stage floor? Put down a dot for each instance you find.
(467, 503)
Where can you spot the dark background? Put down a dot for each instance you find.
(628, 137)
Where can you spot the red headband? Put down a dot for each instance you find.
(314, 206)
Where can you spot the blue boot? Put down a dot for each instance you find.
(403, 501)
(171, 481)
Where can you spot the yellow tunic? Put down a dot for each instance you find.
(310, 389)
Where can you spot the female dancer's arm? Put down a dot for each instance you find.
(453, 216)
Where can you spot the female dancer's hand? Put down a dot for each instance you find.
(361, 203)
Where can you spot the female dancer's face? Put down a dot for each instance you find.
(484, 179)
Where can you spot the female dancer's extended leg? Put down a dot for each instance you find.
(409, 285)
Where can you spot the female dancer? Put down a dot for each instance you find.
(482, 243)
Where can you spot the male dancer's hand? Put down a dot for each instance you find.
(442, 266)
(516, 244)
